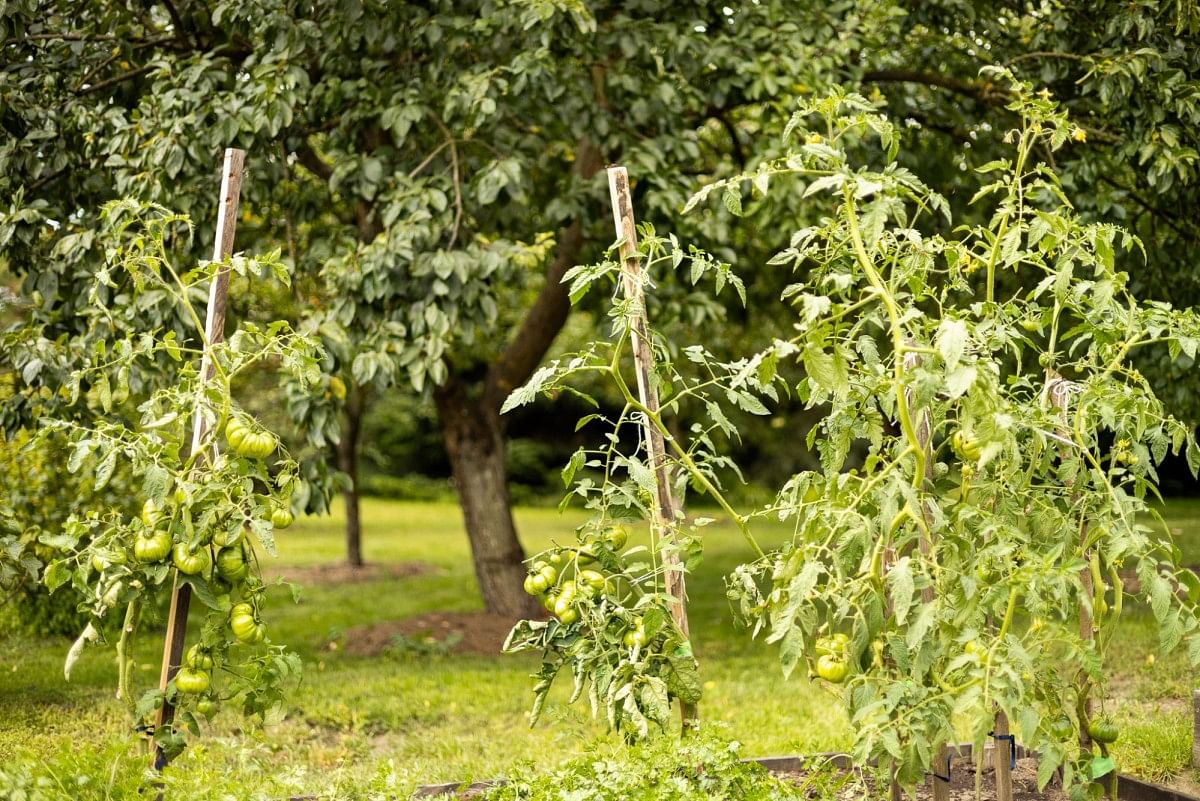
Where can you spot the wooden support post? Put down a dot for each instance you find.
(665, 512)
(1002, 756)
(1196, 728)
(214, 332)
(939, 788)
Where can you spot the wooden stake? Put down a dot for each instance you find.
(1002, 756)
(1196, 728)
(665, 511)
(214, 332)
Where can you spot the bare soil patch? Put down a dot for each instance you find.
(478, 633)
(339, 573)
(962, 785)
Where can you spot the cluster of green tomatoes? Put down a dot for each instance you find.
(221, 555)
(563, 597)
(833, 658)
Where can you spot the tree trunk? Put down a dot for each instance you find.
(474, 431)
(348, 464)
(474, 437)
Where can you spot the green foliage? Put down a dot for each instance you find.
(704, 766)
(429, 169)
(615, 630)
(39, 498)
(988, 487)
(902, 326)
(203, 509)
(1129, 76)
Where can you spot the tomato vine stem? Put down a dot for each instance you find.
(899, 347)
(133, 612)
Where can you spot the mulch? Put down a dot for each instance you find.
(478, 633)
(341, 573)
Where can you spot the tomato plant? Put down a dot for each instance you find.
(976, 563)
(203, 521)
(612, 622)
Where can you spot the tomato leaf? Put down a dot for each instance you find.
(1101, 766)
(900, 582)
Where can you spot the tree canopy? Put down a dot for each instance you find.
(429, 169)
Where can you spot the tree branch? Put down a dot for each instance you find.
(730, 129)
(177, 21)
(1047, 54)
(45, 179)
(457, 179)
(984, 93)
(309, 159)
(116, 79)
(550, 309)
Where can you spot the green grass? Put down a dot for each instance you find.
(360, 722)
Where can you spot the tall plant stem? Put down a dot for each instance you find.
(898, 343)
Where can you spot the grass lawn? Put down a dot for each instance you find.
(364, 725)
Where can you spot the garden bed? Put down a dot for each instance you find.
(962, 780)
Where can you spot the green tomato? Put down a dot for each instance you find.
(199, 659)
(191, 681)
(281, 518)
(191, 562)
(153, 548)
(206, 707)
(592, 578)
(568, 617)
(831, 670)
(966, 445)
(616, 537)
(102, 561)
(550, 573)
(246, 627)
(530, 589)
(247, 440)
(1103, 731)
(1062, 730)
(223, 537)
(264, 444)
(563, 605)
(152, 513)
(231, 564)
(635, 638)
(235, 434)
